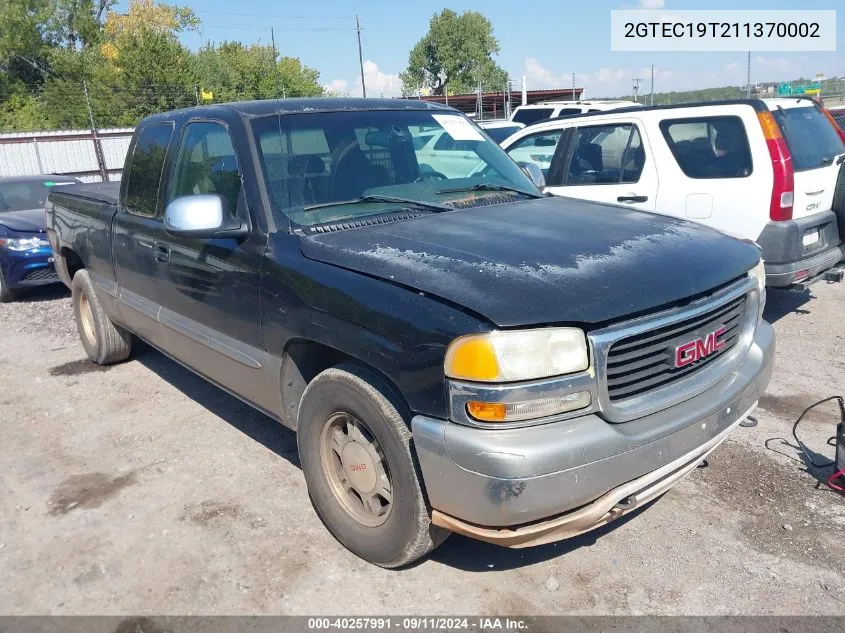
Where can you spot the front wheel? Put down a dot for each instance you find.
(6, 294)
(354, 447)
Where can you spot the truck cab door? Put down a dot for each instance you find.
(209, 287)
(608, 162)
(137, 225)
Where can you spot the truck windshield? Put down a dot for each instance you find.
(328, 166)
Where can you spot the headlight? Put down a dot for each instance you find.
(517, 355)
(22, 243)
(759, 273)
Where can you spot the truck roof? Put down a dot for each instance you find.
(267, 107)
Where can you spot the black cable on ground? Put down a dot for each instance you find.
(804, 450)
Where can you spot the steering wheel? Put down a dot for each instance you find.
(431, 175)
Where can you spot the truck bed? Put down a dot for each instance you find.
(105, 192)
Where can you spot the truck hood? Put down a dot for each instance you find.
(31, 220)
(549, 260)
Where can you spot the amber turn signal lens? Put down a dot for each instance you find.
(473, 359)
(487, 411)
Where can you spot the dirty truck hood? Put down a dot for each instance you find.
(549, 260)
(29, 220)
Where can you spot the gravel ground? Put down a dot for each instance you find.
(141, 489)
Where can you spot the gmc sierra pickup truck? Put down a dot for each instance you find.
(456, 354)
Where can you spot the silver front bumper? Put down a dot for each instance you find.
(511, 477)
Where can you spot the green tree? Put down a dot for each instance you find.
(232, 71)
(456, 54)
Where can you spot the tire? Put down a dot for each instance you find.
(104, 342)
(333, 405)
(6, 294)
(838, 205)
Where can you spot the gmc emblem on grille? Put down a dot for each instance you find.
(699, 348)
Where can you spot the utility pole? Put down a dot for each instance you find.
(98, 149)
(748, 78)
(360, 55)
(652, 84)
(275, 65)
(573, 86)
(636, 81)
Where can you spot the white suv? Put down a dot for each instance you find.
(528, 114)
(765, 170)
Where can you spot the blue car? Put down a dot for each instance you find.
(26, 258)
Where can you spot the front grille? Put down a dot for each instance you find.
(645, 362)
(47, 273)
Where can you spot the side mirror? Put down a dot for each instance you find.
(203, 216)
(533, 171)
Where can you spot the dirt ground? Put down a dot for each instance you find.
(140, 489)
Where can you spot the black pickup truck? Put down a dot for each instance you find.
(456, 353)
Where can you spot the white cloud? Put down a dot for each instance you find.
(539, 76)
(602, 82)
(651, 4)
(337, 86)
(775, 64)
(379, 83)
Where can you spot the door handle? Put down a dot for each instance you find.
(162, 253)
(632, 199)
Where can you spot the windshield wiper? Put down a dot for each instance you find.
(490, 186)
(422, 204)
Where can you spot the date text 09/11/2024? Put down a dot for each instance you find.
(418, 623)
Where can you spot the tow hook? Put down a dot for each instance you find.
(749, 423)
(628, 503)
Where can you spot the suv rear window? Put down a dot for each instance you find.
(709, 147)
(812, 140)
(532, 115)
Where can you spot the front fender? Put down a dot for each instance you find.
(401, 333)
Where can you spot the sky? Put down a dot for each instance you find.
(544, 40)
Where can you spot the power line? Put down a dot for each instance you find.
(276, 17)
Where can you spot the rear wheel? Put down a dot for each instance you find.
(354, 446)
(104, 342)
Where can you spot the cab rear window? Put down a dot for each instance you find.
(812, 140)
(709, 147)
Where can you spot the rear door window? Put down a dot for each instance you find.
(709, 147)
(532, 115)
(606, 155)
(142, 186)
(812, 140)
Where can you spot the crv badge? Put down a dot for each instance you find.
(699, 348)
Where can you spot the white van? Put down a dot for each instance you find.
(528, 114)
(765, 170)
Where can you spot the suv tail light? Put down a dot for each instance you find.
(783, 188)
(833, 122)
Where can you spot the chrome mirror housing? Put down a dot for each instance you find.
(199, 214)
(533, 171)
